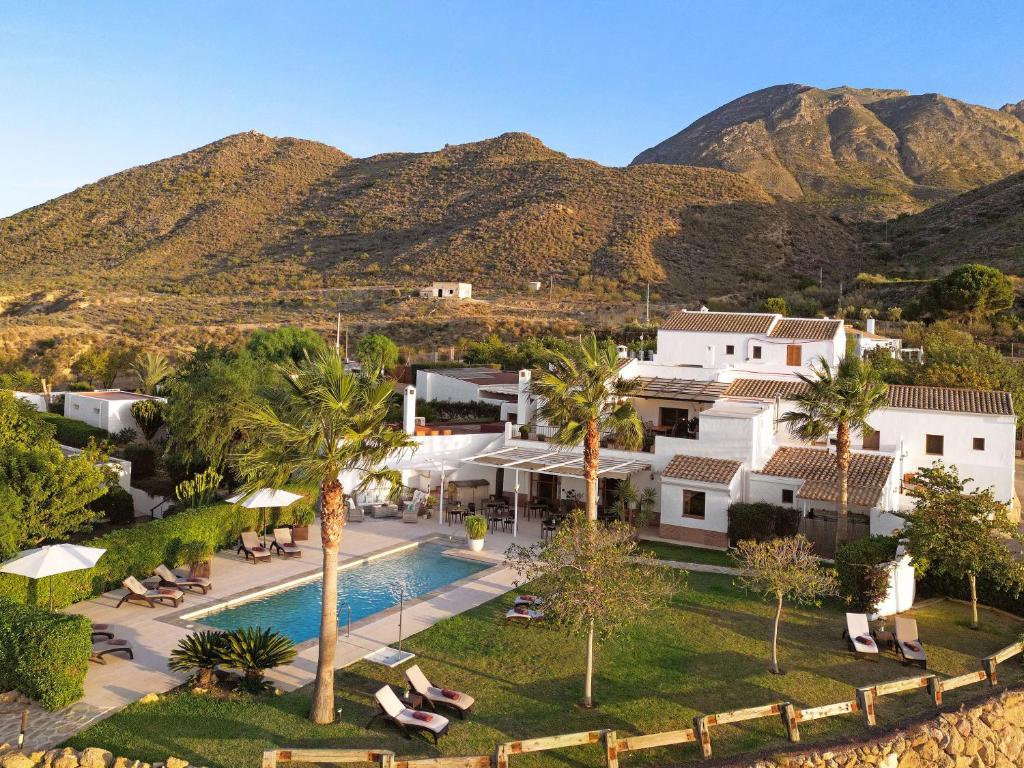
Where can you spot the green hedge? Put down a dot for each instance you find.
(136, 551)
(74, 433)
(761, 521)
(42, 654)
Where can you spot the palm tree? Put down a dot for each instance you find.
(152, 368)
(582, 395)
(840, 401)
(328, 422)
(201, 652)
(254, 650)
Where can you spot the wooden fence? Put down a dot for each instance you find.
(787, 714)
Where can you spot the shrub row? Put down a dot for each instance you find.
(43, 654)
(861, 583)
(136, 551)
(74, 433)
(990, 593)
(761, 521)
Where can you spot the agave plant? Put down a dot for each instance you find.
(254, 650)
(200, 652)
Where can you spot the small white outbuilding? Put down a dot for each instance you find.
(109, 409)
(443, 290)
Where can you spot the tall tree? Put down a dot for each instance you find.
(152, 369)
(783, 569)
(377, 354)
(957, 534)
(582, 395)
(288, 342)
(837, 400)
(327, 423)
(972, 290)
(594, 580)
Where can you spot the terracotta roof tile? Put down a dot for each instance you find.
(699, 468)
(719, 322)
(828, 490)
(803, 328)
(765, 389)
(950, 399)
(866, 469)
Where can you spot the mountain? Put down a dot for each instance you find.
(861, 153)
(251, 211)
(984, 225)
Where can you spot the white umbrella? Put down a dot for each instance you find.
(52, 559)
(426, 463)
(263, 498)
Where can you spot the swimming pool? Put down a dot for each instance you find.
(368, 588)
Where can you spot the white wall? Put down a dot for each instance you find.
(708, 351)
(434, 385)
(731, 430)
(716, 506)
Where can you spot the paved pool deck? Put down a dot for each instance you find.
(154, 632)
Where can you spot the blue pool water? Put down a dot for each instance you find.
(369, 589)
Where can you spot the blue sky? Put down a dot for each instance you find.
(90, 88)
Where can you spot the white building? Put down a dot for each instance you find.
(470, 385)
(711, 402)
(445, 290)
(109, 409)
(867, 340)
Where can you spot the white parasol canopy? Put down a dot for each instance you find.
(265, 497)
(52, 559)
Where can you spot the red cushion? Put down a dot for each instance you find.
(450, 694)
(522, 610)
(865, 640)
(167, 591)
(913, 647)
(424, 716)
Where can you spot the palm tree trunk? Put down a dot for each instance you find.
(591, 457)
(973, 581)
(588, 681)
(843, 477)
(775, 637)
(332, 524)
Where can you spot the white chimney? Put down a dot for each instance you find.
(623, 351)
(524, 403)
(409, 410)
(869, 325)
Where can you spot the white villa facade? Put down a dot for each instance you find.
(109, 409)
(447, 290)
(711, 401)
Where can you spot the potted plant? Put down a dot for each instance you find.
(302, 517)
(476, 529)
(524, 431)
(197, 556)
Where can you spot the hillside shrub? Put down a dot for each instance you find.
(143, 459)
(116, 505)
(43, 654)
(73, 432)
(136, 551)
(861, 583)
(761, 521)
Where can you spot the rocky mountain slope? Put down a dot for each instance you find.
(250, 211)
(862, 153)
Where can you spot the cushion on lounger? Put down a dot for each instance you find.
(865, 640)
(450, 694)
(522, 610)
(424, 716)
(913, 647)
(167, 591)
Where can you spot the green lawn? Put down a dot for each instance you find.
(684, 554)
(705, 652)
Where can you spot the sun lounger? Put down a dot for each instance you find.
(249, 544)
(463, 702)
(284, 544)
(181, 580)
(102, 631)
(908, 643)
(524, 614)
(105, 647)
(858, 635)
(150, 597)
(529, 600)
(408, 719)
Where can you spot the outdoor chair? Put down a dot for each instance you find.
(908, 643)
(106, 646)
(150, 597)
(249, 544)
(858, 636)
(411, 513)
(181, 579)
(523, 614)
(101, 631)
(431, 694)
(356, 514)
(533, 601)
(284, 544)
(407, 719)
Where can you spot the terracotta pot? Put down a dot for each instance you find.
(300, 532)
(201, 569)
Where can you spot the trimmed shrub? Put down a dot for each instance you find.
(43, 654)
(143, 459)
(116, 505)
(136, 551)
(761, 521)
(476, 526)
(74, 433)
(861, 583)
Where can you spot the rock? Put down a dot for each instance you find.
(92, 757)
(16, 760)
(67, 761)
(889, 761)
(149, 698)
(176, 762)
(910, 759)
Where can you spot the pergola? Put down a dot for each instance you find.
(560, 462)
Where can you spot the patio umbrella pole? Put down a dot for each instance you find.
(51, 592)
(401, 612)
(515, 508)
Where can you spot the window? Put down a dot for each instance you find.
(756, 353)
(787, 496)
(794, 354)
(693, 504)
(979, 443)
(933, 444)
(730, 349)
(871, 439)
(670, 417)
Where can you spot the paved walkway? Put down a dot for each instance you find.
(154, 632)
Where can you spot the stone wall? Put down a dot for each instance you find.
(987, 735)
(70, 758)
